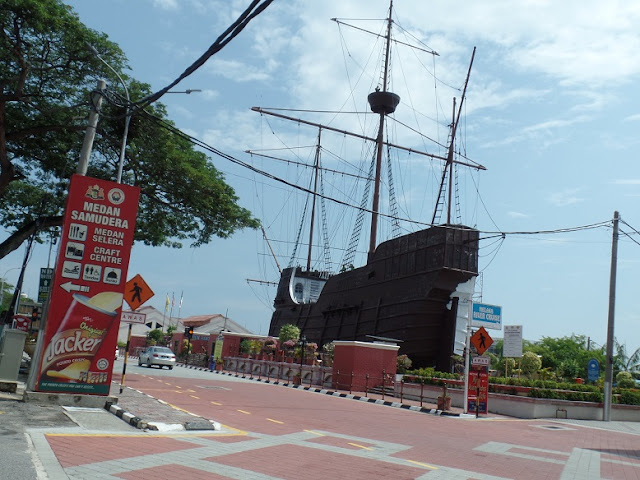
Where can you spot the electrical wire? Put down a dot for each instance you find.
(163, 123)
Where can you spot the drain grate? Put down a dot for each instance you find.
(553, 427)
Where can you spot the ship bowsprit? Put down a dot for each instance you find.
(403, 292)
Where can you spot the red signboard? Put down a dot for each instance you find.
(88, 287)
(478, 389)
(21, 322)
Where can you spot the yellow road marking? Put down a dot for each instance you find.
(190, 391)
(315, 433)
(246, 413)
(179, 387)
(423, 465)
(168, 384)
(216, 403)
(1, 412)
(235, 433)
(193, 396)
(359, 446)
(275, 421)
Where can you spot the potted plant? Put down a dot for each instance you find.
(289, 345)
(444, 400)
(245, 348)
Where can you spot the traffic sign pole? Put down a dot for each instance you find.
(126, 357)
(466, 358)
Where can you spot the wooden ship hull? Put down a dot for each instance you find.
(402, 293)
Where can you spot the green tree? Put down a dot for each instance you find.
(155, 337)
(567, 356)
(46, 75)
(288, 332)
(626, 363)
(530, 363)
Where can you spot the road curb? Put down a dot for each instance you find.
(333, 393)
(130, 418)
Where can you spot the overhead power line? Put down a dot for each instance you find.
(163, 123)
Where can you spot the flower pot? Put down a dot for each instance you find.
(444, 403)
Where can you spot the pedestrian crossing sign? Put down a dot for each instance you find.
(481, 340)
(137, 292)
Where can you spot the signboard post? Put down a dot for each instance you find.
(479, 386)
(88, 287)
(512, 341)
(46, 276)
(593, 370)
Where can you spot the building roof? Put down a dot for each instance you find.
(211, 323)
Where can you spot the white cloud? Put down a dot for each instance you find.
(513, 214)
(566, 197)
(633, 118)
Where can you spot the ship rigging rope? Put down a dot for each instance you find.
(167, 126)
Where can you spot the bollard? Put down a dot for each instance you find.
(421, 390)
(366, 385)
(401, 390)
(351, 384)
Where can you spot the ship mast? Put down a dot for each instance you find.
(315, 194)
(381, 102)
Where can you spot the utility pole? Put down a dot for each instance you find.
(90, 133)
(608, 372)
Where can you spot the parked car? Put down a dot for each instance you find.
(161, 356)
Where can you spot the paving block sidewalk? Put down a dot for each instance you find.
(145, 411)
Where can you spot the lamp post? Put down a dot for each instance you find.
(187, 91)
(303, 344)
(127, 118)
(2, 282)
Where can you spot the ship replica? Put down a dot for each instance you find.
(405, 291)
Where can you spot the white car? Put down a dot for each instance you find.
(161, 356)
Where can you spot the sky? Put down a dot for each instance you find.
(552, 111)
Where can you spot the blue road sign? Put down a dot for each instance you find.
(487, 316)
(593, 370)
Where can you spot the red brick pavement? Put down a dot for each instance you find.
(325, 436)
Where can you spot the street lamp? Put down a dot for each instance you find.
(302, 343)
(127, 118)
(187, 91)
(2, 283)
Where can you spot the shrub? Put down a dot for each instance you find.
(625, 380)
(403, 363)
(289, 332)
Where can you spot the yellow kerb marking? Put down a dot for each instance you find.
(216, 403)
(315, 433)
(359, 446)
(275, 421)
(423, 465)
(246, 413)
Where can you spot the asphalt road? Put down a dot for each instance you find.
(490, 447)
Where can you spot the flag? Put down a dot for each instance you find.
(173, 300)
(180, 304)
(166, 304)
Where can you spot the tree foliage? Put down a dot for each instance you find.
(46, 75)
(288, 332)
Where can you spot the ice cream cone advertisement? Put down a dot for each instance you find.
(83, 314)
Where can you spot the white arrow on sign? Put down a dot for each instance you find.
(69, 287)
